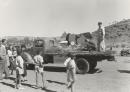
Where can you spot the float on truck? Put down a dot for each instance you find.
(86, 61)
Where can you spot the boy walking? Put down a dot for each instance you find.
(19, 70)
(71, 71)
(38, 59)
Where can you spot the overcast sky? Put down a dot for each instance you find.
(53, 17)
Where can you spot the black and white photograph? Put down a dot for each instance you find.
(64, 45)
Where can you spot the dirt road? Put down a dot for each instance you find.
(115, 77)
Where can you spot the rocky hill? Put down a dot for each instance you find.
(118, 33)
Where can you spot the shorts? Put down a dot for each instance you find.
(39, 69)
(19, 70)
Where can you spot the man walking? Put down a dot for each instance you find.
(3, 57)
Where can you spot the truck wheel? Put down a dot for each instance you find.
(82, 66)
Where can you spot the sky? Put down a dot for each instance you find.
(49, 18)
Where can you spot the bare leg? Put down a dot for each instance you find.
(20, 86)
(73, 80)
(43, 79)
(12, 72)
(37, 84)
(72, 86)
(68, 79)
(19, 79)
(16, 80)
(11, 66)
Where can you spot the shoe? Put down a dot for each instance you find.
(21, 88)
(37, 87)
(25, 80)
(69, 85)
(99, 71)
(16, 86)
(44, 88)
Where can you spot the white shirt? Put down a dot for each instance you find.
(9, 53)
(14, 53)
(66, 61)
(70, 62)
(19, 61)
(2, 50)
(38, 59)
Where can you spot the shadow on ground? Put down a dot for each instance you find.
(29, 85)
(63, 69)
(11, 78)
(96, 70)
(48, 90)
(54, 69)
(7, 84)
(124, 71)
(33, 86)
(61, 83)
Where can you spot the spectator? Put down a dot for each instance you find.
(3, 56)
(38, 59)
(10, 55)
(19, 70)
(71, 71)
(14, 52)
(27, 59)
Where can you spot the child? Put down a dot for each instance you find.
(38, 59)
(10, 55)
(19, 69)
(24, 56)
(71, 71)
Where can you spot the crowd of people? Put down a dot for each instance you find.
(16, 59)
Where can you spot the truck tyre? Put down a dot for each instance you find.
(82, 66)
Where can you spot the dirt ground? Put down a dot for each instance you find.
(115, 77)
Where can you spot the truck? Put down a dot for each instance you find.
(86, 61)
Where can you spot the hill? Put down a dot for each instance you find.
(118, 34)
